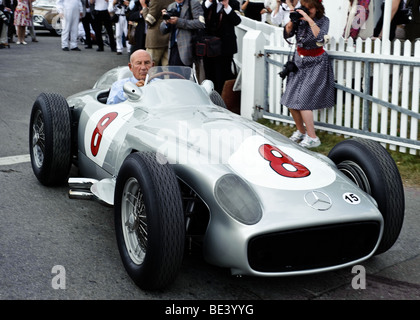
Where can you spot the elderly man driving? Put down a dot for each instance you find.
(140, 63)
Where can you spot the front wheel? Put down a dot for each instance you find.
(149, 220)
(373, 170)
(50, 139)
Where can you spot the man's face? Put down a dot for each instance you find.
(140, 64)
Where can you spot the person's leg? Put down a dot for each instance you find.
(118, 36)
(174, 57)
(155, 55)
(74, 29)
(108, 27)
(164, 60)
(124, 33)
(32, 33)
(86, 27)
(97, 27)
(297, 117)
(209, 69)
(310, 140)
(3, 37)
(65, 34)
(21, 33)
(307, 117)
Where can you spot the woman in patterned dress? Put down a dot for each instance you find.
(311, 87)
(22, 19)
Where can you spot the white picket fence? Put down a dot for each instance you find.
(378, 85)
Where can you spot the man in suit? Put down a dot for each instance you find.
(101, 17)
(221, 19)
(189, 17)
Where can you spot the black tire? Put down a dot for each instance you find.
(371, 167)
(50, 139)
(150, 190)
(217, 99)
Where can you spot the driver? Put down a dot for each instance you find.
(140, 63)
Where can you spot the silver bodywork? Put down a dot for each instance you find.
(217, 154)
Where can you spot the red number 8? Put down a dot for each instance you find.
(277, 162)
(99, 130)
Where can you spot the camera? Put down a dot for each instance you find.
(295, 15)
(289, 66)
(170, 13)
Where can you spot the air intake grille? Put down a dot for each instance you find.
(312, 248)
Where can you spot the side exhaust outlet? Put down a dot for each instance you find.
(80, 188)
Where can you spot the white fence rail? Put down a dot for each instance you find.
(378, 85)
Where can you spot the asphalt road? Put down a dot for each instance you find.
(55, 248)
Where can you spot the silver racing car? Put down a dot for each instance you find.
(181, 170)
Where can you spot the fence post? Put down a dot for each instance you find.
(252, 88)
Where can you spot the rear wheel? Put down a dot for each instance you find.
(50, 139)
(373, 170)
(149, 221)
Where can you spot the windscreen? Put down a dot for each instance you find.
(170, 72)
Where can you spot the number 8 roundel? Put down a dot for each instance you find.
(283, 164)
(103, 123)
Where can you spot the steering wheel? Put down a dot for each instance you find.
(170, 73)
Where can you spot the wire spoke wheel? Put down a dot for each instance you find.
(133, 215)
(38, 139)
(149, 220)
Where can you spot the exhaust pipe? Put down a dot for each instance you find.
(80, 188)
(92, 189)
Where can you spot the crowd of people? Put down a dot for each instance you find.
(144, 17)
(165, 28)
(164, 32)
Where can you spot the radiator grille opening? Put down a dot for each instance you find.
(312, 248)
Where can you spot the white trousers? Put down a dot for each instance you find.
(71, 27)
(120, 29)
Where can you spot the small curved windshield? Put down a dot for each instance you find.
(170, 72)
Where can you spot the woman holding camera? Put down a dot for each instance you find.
(310, 83)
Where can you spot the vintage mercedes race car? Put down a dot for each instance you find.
(181, 170)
